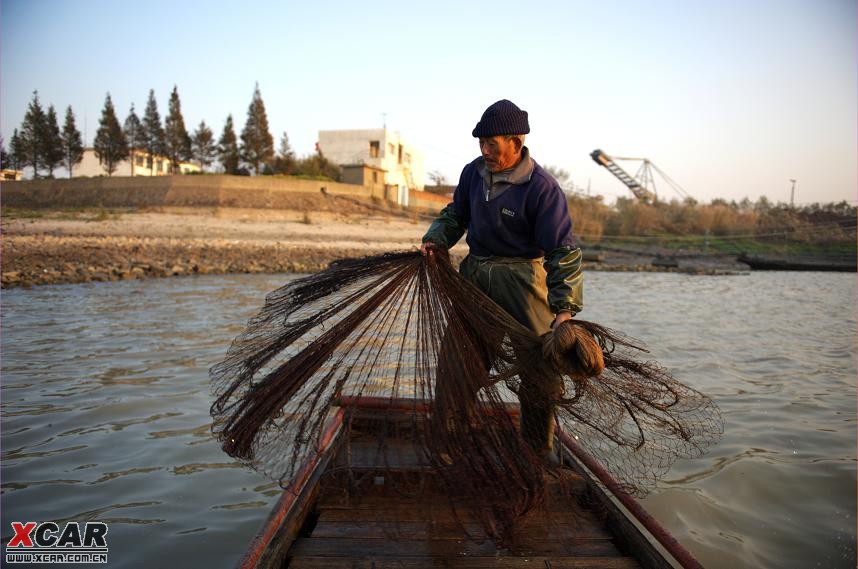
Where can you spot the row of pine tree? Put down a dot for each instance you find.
(40, 144)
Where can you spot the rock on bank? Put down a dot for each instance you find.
(47, 259)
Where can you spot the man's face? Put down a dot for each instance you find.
(499, 152)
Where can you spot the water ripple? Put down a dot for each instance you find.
(110, 384)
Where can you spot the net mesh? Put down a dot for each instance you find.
(408, 328)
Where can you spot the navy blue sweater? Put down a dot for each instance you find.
(527, 220)
(524, 216)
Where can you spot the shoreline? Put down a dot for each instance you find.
(67, 247)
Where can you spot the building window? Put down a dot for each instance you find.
(399, 159)
(139, 160)
(373, 148)
(407, 158)
(391, 149)
(375, 177)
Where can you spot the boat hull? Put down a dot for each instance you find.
(350, 506)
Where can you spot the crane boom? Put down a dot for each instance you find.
(637, 189)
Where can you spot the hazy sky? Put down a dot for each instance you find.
(730, 98)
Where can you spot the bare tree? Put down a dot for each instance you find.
(437, 178)
(562, 176)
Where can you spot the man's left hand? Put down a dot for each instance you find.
(560, 318)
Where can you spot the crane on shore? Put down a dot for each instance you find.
(642, 184)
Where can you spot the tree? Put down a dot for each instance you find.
(71, 143)
(30, 139)
(52, 142)
(135, 135)
(228, 153)
(763, 205)
(257, 144)
(203, 147)
(16, 155)
(562, 177)
(285, 162)
(438, 178)
(110, 144)
(154, 132)
(4, 156)
(175, 134)
(317, 166)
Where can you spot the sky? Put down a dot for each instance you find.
(731, 99)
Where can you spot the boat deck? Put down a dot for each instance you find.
(381, 510)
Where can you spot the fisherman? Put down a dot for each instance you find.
(522, 252)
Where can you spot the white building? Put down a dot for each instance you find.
(11, 175)
(161, 166)
(380, 148)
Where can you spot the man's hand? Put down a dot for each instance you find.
(560, 318)
(428, 248)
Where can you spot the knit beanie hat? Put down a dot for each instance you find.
(502, 117)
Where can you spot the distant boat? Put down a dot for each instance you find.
(665, 262)
(806, 263)
(589, 256)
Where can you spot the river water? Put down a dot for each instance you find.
(105, 402)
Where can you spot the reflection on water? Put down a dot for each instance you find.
(105, 402)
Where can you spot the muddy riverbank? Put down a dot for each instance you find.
(52, 247)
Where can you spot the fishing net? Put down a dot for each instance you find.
(407, 328)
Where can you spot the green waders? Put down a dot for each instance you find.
(518, 286)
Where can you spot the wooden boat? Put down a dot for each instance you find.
(372, 525)
(841, 264)
(590, 256)
(665, 262)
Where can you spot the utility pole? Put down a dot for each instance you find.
(792, 194)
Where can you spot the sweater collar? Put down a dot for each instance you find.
(518, 174)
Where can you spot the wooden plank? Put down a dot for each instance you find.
(440, 510)
(389, 453)
(450, 530)
(584, 522)
(339, 523)
(538, 562)
(391, 493)
(350, 547)
(396, 501)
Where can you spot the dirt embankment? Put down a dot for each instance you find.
(72, 247)
(48, 247)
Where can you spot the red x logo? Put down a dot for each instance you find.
(22, 534)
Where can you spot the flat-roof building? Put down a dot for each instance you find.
(400, 163)
(137, 166)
